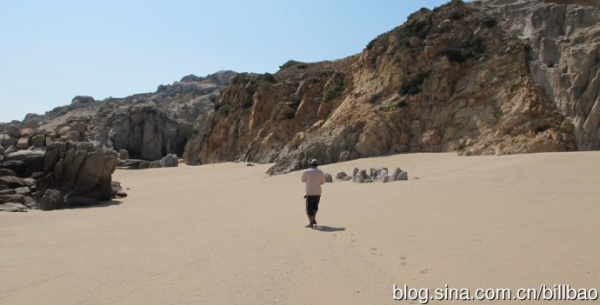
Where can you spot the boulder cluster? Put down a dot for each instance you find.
(50, 171)
(170, 160)
(379, 174)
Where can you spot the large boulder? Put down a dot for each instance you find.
(12, 207)
(146, 131)
(38, 140)
(169, 160)
(50, 199)
(80, 171)
(24, 162)
(13, 131)
(23, 142)
(82, 100)
(6, 172)
(6, 140)
(12, 182)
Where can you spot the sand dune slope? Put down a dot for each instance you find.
(229, 234)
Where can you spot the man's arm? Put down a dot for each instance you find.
(303, 178)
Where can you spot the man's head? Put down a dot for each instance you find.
(313, 163)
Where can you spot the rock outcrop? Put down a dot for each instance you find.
(483, 77)
(451, 79)
(24, 163)
(80, 172)
(169, 160)
(149, 125)
(564, 51)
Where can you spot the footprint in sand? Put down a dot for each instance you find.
(424, 271)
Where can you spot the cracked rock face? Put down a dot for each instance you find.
(452, 79)
(565, 56)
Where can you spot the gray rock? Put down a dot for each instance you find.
(4, 198)
(51, 200)
(402, 176)
(146, 131)
(123, 154)
(130, 163)
(395, 174)
(11, 149)
(117, 190)
(25, 191)
(328, 178)
(169, 160)
(23, 143)
(354, 172)
(30, 182)
(6, 172)
(78, 170)
(38, 140)
(368, 180)
(12, 181)
(1, 150)
(341, 176)
(4, 190)
(7, 140)
(82, 100)
(24, 162)
(13, 130)
(386, 179)
(373, 172)
(64, 130)
(360, 176)
(382, 174)
(13, 207)
(72, 135)
(80, 127)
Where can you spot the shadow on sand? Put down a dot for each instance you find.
(100, 204)
(328, 229)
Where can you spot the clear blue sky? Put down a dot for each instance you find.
(51, 51)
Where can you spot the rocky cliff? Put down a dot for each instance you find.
(482, 77)
(149, 125)
(452, 79)
(564, 57)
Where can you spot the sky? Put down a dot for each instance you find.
(51, 51)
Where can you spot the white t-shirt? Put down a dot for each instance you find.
(314, 178)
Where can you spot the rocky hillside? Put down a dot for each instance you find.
(564, 57)
(463, 77)
(149, 125)
(482, 77)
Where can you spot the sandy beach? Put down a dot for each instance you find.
(230, 234)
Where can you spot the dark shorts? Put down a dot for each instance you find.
(312, 204)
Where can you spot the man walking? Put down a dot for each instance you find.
(314, 178)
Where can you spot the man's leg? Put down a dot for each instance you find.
(310, 220)
(309, 212)
(315, 207)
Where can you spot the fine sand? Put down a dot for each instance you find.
(230, 234)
